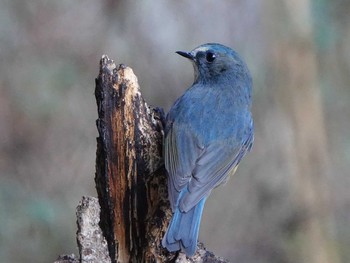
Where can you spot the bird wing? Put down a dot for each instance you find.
(181, 151)
(212, 169)
(202, 169)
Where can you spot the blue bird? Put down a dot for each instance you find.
(208, 131)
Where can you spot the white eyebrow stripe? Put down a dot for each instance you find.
(203, 49)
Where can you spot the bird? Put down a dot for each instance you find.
(207, 132)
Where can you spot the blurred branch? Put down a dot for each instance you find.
(300, 96)
(131, 218)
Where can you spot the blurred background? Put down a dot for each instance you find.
(289, 202)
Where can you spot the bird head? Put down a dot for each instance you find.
(213, 62)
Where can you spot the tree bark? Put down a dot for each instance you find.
(130, 178)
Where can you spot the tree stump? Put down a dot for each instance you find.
(130, 179)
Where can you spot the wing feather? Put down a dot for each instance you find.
(181, 152)
(212, 169)
(199, 168)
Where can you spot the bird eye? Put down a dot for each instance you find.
(210, 57)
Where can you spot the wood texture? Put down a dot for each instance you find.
(130, 180)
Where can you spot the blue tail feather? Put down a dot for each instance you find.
(183, 230)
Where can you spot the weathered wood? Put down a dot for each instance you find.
(92, 244)
(129, 178)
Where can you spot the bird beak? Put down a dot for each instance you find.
(185, 54)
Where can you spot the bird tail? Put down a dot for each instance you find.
(183, 230)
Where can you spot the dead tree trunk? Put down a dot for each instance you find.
(130, 176)
(133, 211)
